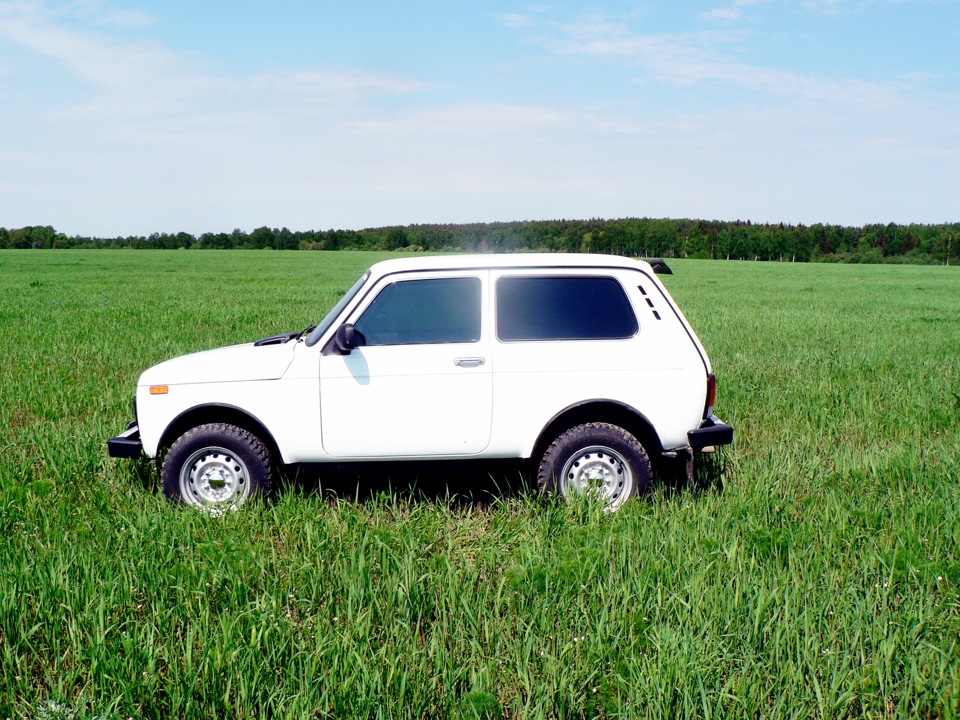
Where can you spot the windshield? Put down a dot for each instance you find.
(334, 313)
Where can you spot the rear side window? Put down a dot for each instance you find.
(563, 308)
(445, 310)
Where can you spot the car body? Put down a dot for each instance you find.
(445, 357)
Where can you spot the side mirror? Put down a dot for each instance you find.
(347, 338)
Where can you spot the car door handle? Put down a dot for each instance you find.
(469, 362)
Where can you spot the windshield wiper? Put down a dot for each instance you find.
(283, 337)
(305, 331)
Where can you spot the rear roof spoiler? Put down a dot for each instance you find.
(658, 265)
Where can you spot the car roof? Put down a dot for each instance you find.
(506, 260)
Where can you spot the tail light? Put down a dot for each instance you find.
(711, 395)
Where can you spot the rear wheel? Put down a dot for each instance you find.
(217, 467)
(597, 459)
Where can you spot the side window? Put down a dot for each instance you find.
(445, 310)
(563, 308)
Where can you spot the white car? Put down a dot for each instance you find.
(582, 364)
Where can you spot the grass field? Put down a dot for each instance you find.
(822, 579)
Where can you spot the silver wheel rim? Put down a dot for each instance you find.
(599, 471)
(215, 479)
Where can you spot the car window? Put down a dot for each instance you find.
(444, 310)
(563, 308)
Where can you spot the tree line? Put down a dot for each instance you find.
(644, 237)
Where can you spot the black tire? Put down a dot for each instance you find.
(217, 467)
(600, 457)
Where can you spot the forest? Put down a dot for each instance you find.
(644, 237)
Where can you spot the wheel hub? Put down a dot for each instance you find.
(215, 478)
(598, 471)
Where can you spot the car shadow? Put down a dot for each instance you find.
(473, 484)
(457, 484)
(147, 474)
(709, 470)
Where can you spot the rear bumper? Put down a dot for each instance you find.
(712, 432)
(126, 445)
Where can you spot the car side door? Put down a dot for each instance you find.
(419, 382)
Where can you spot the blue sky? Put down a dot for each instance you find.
(121, 118)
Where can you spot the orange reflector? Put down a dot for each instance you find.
(159, 389)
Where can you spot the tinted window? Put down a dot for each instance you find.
(445, 310)
(563, 308)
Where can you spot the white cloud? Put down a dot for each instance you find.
(148, 139)
(724, 13)
(689, 59)
(120, 77)
(96, 59)
(144, 130)
(330, 87)
(128, 19)
(516, 20)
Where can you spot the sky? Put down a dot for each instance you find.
(140, 116)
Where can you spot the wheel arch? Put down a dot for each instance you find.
(218, 413)
(600, 410)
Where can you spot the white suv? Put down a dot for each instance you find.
(581, 363)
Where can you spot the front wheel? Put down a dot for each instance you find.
(599, 459)
(217, 467)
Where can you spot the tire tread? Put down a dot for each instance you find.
(220, 433)
(546, 476)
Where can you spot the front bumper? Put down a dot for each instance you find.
(126, 445)
(712, 432)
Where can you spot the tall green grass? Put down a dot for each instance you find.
(821, 580)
